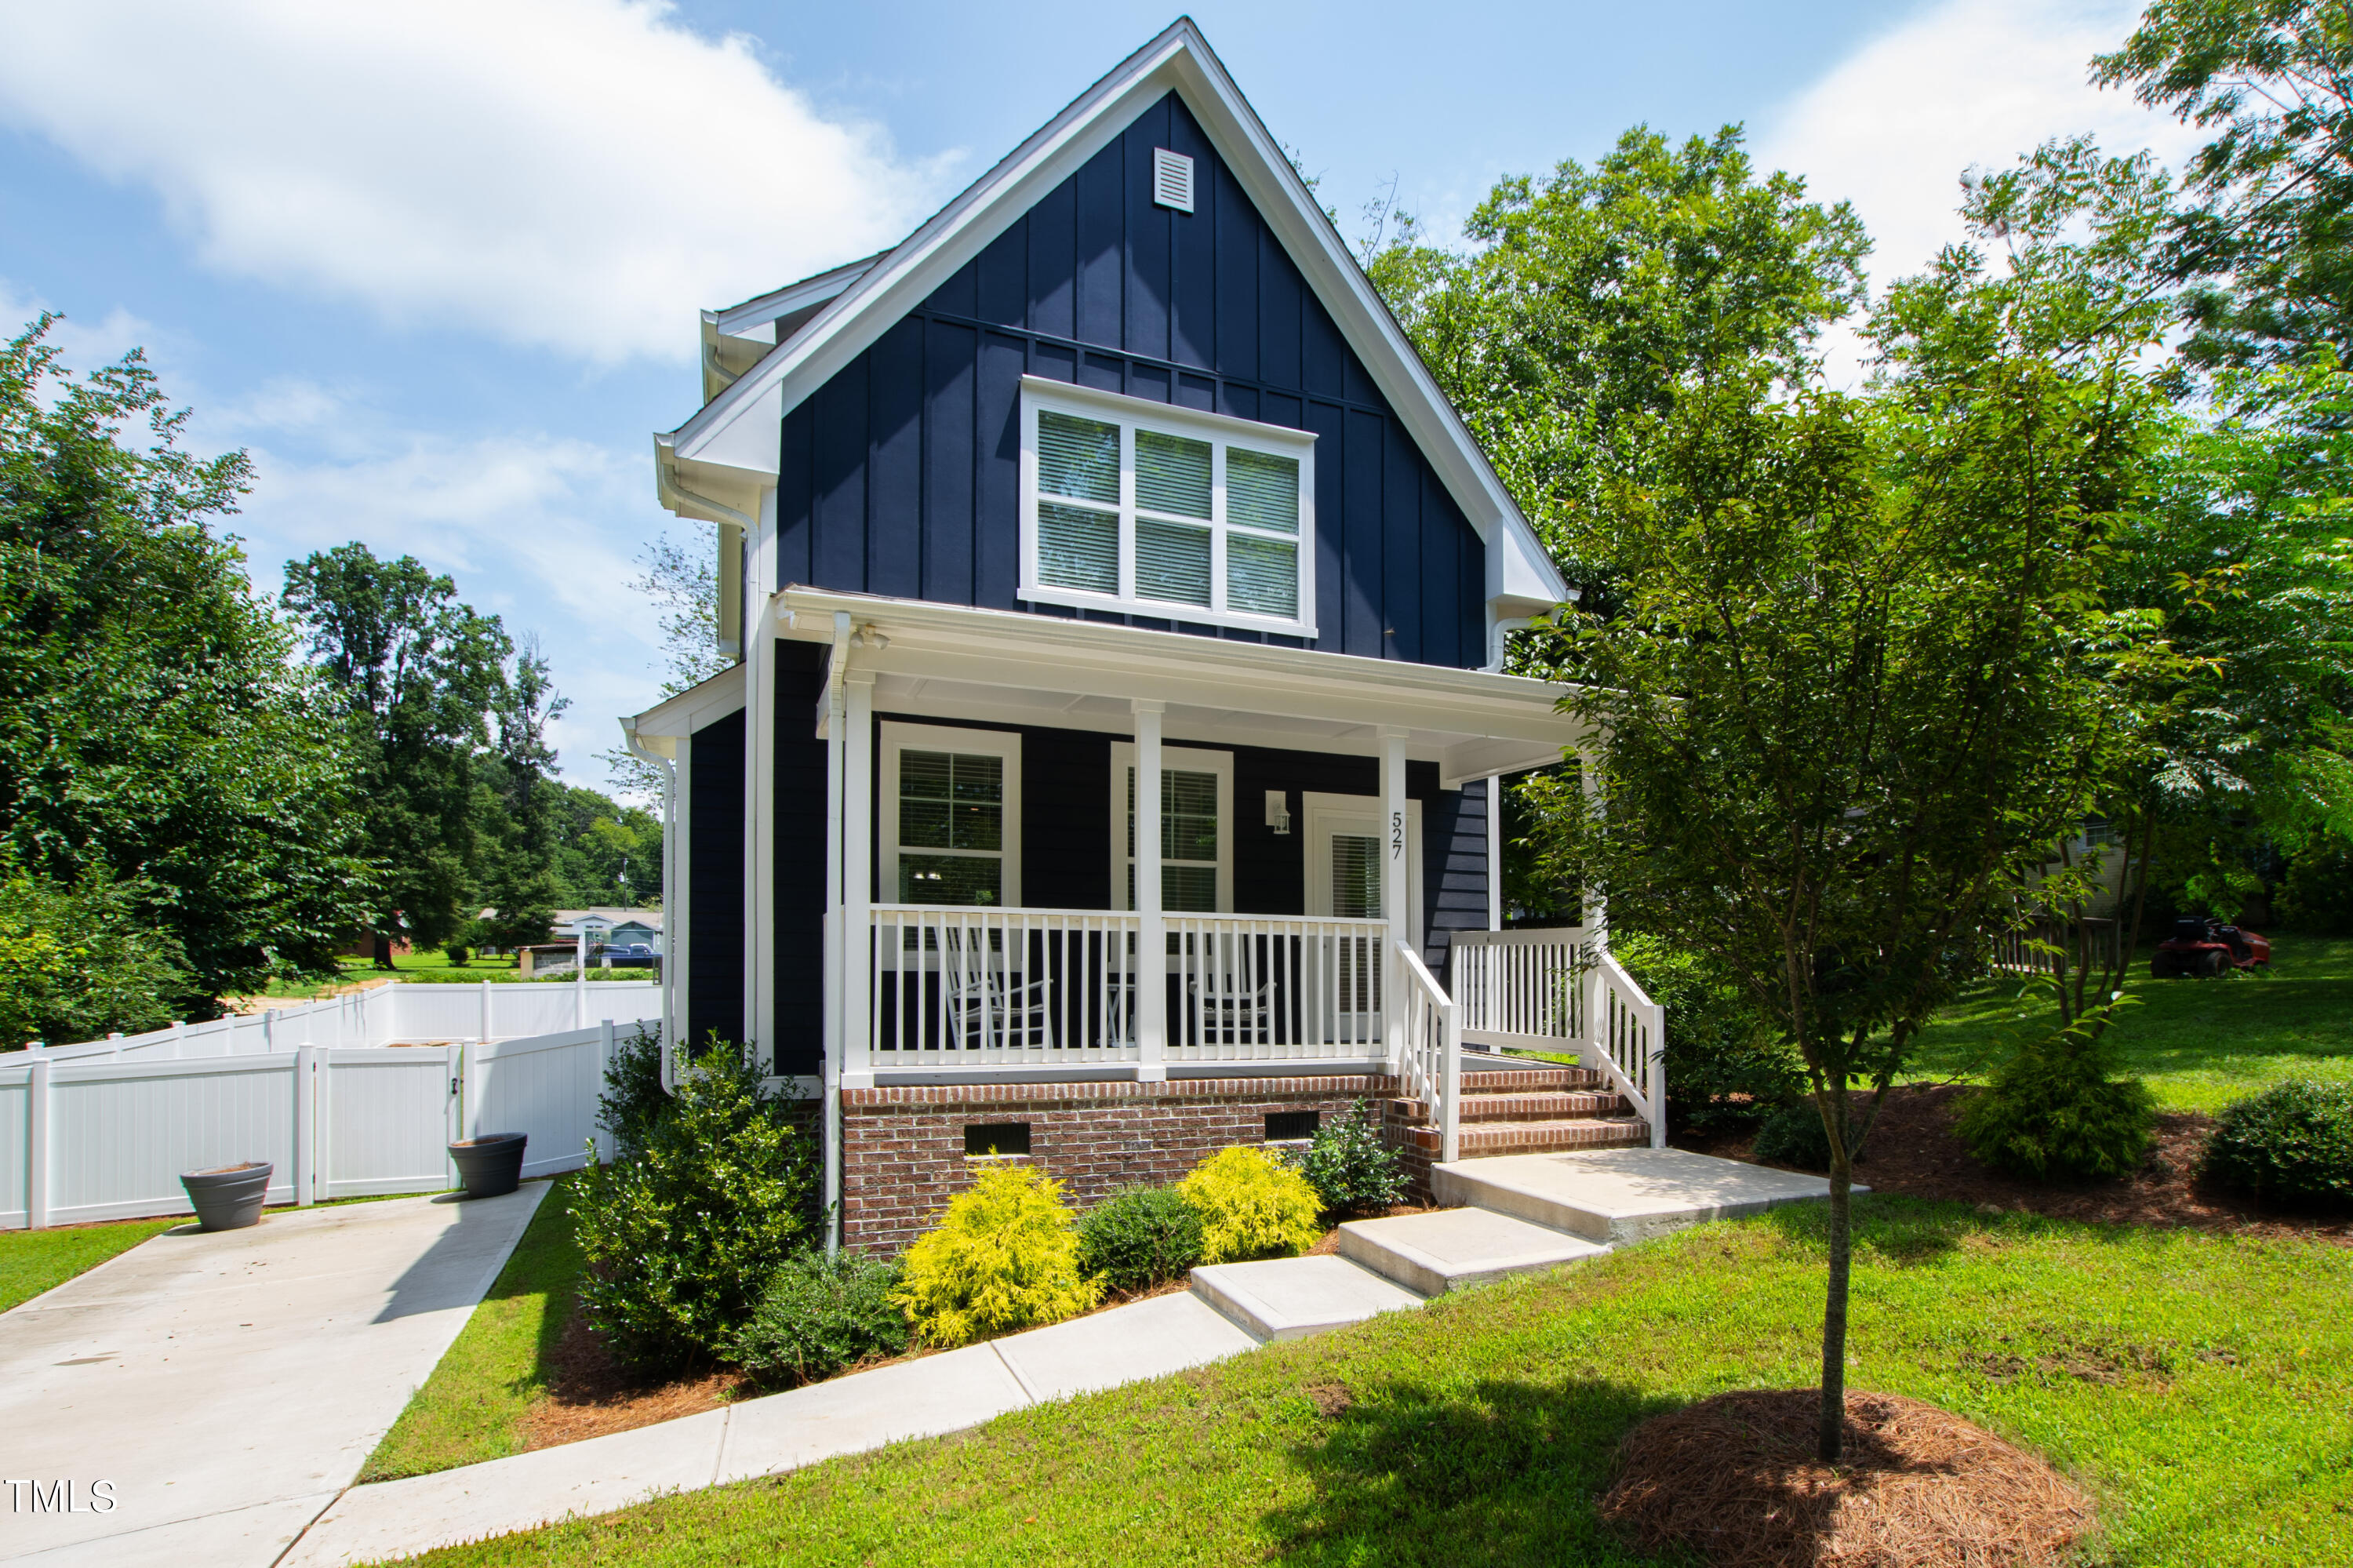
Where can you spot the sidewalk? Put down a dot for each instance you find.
(926, 1398)
(227, 1387)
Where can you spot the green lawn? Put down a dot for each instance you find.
(2199, 1043)
(472, 1407)
(2201, 1387)
(429, 969)
(35, 1261)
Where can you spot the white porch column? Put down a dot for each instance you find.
(759, 830)
(1395, 881)
(1495, 853)
(856, 903)
(1594, 910)
(1152, 933)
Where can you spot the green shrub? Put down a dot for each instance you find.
(1352, 1170)
(1135, 1239)
(2291, 1145)
(459, 954)
(1725, 1062)
(1252, 1205)
(1791, 1134)
(2052, 1112)
(79, 961)
(682, 1237)
(1004, 1257)
(820, 1314)
(633, 1097)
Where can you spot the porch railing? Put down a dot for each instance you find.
(1554, 991)
(1430, 1047)
(981, 987)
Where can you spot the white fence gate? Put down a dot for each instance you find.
(102, 1131)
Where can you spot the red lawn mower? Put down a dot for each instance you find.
(2203, 948)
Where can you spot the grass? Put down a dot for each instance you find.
(2199, 1043)
(2200, 1387)
(429, 968)
(35, 1261)
(473, 1406)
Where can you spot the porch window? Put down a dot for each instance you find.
(1196, 799)
(1133, 506)
(951, 816)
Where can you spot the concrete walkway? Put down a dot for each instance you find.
(229, 1386)
(923, 1398)
(1390, 1265)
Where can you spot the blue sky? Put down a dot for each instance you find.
(437, 265)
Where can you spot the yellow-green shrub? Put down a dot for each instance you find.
(1005, 1256)
(1251, 1206)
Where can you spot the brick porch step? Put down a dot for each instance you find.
(1528, 1080)
(1481, 1138)
(1558, 1105)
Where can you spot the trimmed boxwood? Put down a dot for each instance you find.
(2291, 1145)
(1136, 1239)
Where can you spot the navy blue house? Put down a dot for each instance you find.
(1117, 608)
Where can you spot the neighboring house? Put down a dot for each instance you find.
(1114, 594)
(609, 927)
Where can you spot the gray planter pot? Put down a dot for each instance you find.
(227, 1197)
(490, 1165)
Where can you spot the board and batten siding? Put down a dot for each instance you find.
(900, 475)
(715, 973)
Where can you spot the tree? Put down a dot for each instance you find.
(78, 962)
(2266, 255)
(1598, 296)
(417, 674)
(156, 740)
(1859, 682)
(609, 854)
(683, 582)
(515, 815)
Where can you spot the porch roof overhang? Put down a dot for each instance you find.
(950, 662)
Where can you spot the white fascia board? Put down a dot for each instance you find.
(1178, 60)
(1521, 577)
(1048, 654)
(759, 314)
(699, 705)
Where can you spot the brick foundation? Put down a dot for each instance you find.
(903, 1149)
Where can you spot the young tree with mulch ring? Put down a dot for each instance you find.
(1860, 684)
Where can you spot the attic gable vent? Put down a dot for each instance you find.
(1172, 179)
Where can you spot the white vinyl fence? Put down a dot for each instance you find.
(390, 1013)
(102, 1131)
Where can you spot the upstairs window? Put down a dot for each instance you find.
(1137, 506)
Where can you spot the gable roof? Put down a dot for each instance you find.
(736, 431)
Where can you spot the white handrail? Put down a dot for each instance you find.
(1431, 1062)
(1630, 1041)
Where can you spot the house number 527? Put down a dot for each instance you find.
(1397, 835)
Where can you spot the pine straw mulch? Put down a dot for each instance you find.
(1913, 1150)
(1735, 1479)
(590, 1395)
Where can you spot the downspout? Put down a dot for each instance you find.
(837, 943)
(669, 766)
(1496, 646)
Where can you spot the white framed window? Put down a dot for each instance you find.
(951, 815)
(1196, 820)
(1135, 506)
(1344, 866)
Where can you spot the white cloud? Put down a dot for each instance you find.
(1970, 82)
(577, 174)
(84, 346)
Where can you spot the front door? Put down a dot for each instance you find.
(1345, 846)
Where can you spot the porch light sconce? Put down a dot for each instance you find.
(867, 636)
(1278, 813)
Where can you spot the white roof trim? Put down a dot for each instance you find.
(703, 703)
(1178, 60)
(736, 320)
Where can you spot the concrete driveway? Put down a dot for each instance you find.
(226, 1387)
